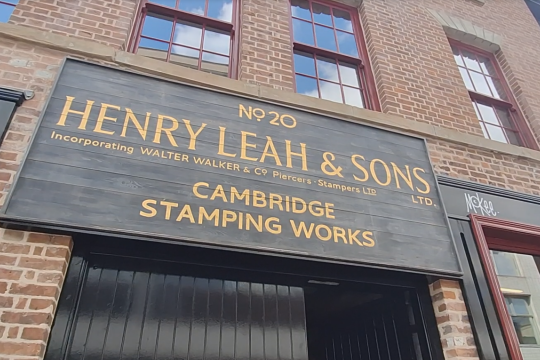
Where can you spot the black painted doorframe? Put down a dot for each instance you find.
(230, 265)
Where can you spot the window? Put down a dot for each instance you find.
(518, 308)
(6, 9)
(492, 101)
(10, 99)
(534, 6)
(505, 263)
(195, 33)
(329, 61)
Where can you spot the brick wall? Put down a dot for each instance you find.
(452, 320)
(32, 270)
(105, 21)
(265, 49)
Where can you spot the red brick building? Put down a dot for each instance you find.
(461, 74)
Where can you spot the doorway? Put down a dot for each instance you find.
(129, 306)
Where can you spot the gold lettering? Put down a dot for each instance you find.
(276, 201)
(145, 204)
(221, 148)
(196, 190)
(101, 117)
(366, 235)
(219, 192)
(259, 200)
(272, 225)
(318, 210)
(428, 189)
(204, 215)
(169, 206)
(318, 232)
(339, 233)
(270, 146)
(67, 110)
(245, 145)
(228, 216)
(244, 196)
(352, 237)
(131, 116)
(295, 201)
(398, 173)
(186, 213)
(160, 128)
(251, 221)
(302, 154)
(374, 174)
(192, 135)
(302, 229)
(360, 167)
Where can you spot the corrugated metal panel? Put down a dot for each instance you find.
(145, 315)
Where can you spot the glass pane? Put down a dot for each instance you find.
(321, 14)
(221, 10)
(193, 6)
(505, 263)
(327, 69)
(153, 48)
(488, 114)
(306, 86)
(524, 330)
(304, 63)
(216, 41)
(466, 78)
(5, 12)
(303, 32)
(496, 88)
(349, 74)
(470, 60)
(342, 20)
(157, 27)
(513, 138)
(519, 306)
(325, 38)
(484, 131)
(170, 3)
(487, 66)
(480, 83)
(188, 34)
(300, 9)
(185, 56)
(457, 57)
(347, 43)
(353, 97)
(504, 117)
(496, 133)
(215, 64)
(330, 91)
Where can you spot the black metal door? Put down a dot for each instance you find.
(127, 314)
(379, 331)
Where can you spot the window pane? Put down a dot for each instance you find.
(466, 78)
(513, 138)
(347, 43)
(330, 91)
(170, 3)
(504, 118)
(300, 9)
(457, 57)
(342, 20)
(321, 14)
(487, 66)
(304, 63)
(158, 27)
(325, 38)
(353, 96)
(519, 306)
(193, 6)
(185, 56)
(216, 41)
(480, 83)
(505, 263)
(488, 114)
(221, 10)
(349, 74)
(496, 133)
(188, 34)
(5, 12)
(303, 32)
(327, 69)
(524, 330)
(496, 88)
(306, 86)
(470, 60)
(153, 48)
(215, 64)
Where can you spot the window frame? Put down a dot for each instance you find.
(530, 315)
(147, 6)
(521, 127)
(362, 62)
(514, 260)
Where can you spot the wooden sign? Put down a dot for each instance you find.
(124, 153)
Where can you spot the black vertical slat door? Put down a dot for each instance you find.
(145, 315)
(378, 332)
